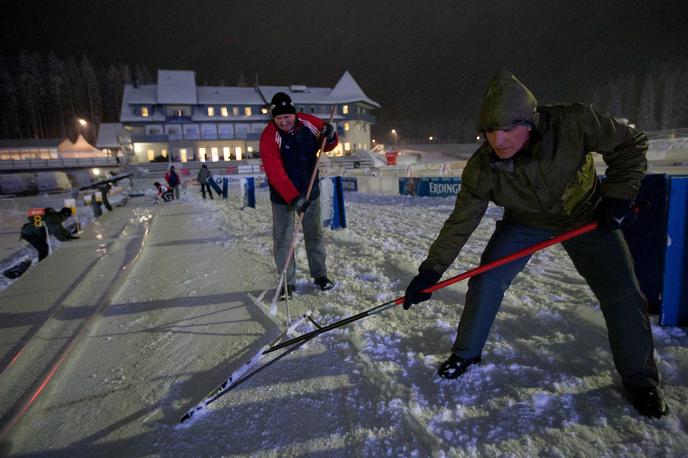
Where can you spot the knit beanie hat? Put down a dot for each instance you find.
(507, 102)
(281, 104)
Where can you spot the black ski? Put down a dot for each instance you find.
(240, 375)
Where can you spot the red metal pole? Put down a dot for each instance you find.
(443, 284)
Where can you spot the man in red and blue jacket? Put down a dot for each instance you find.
(289, 148)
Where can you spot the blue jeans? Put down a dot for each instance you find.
(283, 232)
(603, 260)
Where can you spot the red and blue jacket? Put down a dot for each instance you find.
(289, 158)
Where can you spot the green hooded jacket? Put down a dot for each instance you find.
(551, 183)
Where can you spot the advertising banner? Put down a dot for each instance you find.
(429, 186)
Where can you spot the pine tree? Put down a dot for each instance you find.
(647, 118)
(90, 83)
(10, 127)
(241, 82)
(56, 88)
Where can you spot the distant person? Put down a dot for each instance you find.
(104, 191)
(163, 193)
(172, 179)
(52, 220)
(203, 176)
(288, 148)
(537, 164)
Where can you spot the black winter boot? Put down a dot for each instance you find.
(647, 400)
(323, 283)
(290, 292)
(454, 366)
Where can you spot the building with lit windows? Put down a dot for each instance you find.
(179, 121)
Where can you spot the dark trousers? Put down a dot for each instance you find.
(204, 187)
(603, 260)
(39, 243)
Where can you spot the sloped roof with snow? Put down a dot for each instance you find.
(177, 86)
(140, 95)
(107, 135)
(348, 90)
(208, 95)
(299, 94)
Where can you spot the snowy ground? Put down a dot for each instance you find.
(196, 304)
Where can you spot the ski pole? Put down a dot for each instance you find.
(299, 216)
(449, 281)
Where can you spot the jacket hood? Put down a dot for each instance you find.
(506, 102)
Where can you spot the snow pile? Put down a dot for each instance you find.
(546, 385)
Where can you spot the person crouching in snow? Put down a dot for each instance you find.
(537, 164)
(164, 194)
(288, 149)
(52, 221)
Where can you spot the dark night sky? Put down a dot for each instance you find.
(418, 59)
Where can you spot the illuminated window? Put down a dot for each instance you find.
(145, 112)
(235, 111)
(163, 153)
(225, 153)
(264, 110)
(346, 126)
(247, 111)
(249, 149)
(214, 154)
(201, 154)
(347, 146)
(237, 153)
(182, 153)
(211, 111)
(345, 109)
(224, 112)
(151, 154)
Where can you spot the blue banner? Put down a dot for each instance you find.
(349, 184)
(429, 187)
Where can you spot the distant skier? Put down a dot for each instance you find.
(53, 221)
(163, 193)
(536, 163)
(173, 181)
(288, 148)
(202, 177)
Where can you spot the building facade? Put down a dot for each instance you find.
(177, 120)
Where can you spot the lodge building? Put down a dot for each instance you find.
(179, 121)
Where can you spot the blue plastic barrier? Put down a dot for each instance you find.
(660, 251)
(675, 287)
(248, 192)
(332, 203)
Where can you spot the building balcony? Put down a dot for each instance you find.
(144, 138)
(178, 119)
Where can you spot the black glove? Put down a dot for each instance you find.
(424, 279)
(327, 132)
(612, 213)
(301, 204)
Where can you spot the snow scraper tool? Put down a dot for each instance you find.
(242, 374)
(449, 281)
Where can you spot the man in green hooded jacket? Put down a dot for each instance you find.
(537, 165)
